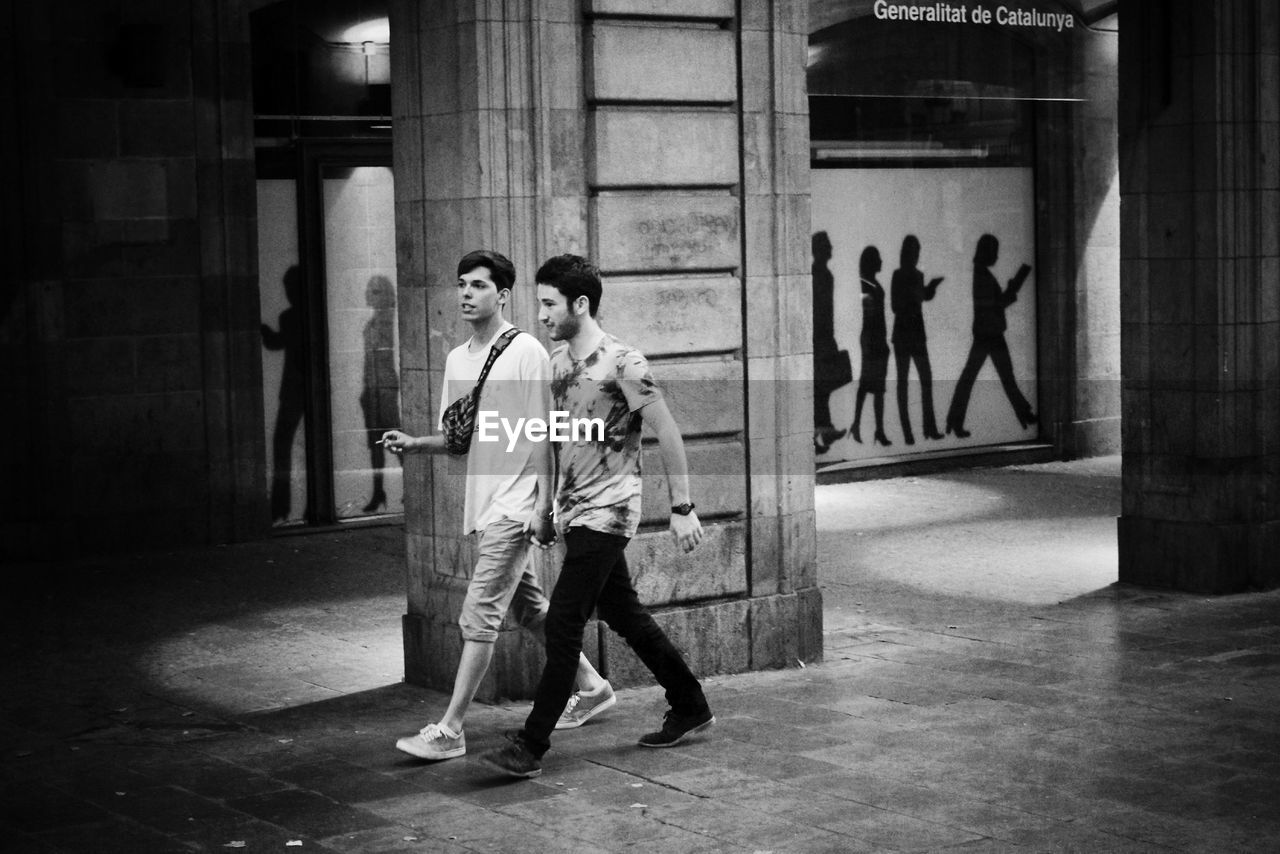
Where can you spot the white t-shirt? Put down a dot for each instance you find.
(501, 479)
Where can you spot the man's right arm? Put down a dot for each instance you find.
(686, 527)
(398, 442)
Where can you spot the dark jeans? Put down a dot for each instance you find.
(288, 419)
(984, 347)
(905, 353)
(594, 578)
(821, 406)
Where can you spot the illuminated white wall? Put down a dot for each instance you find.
(948, 210)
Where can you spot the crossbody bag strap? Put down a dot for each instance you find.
(494, 352)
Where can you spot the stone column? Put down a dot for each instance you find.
(1200, 132)
(473, 147)
(1078, 249)
(786, 604)
(131, 196)
(632, 132)
(230, 359)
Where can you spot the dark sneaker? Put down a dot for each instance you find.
(512, 759)
(676, 728)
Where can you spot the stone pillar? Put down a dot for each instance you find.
(786, 604)
(135, 297)
(1078, 250)
(470, 167)
(629, 131)
(1200, 131)
(226, 216)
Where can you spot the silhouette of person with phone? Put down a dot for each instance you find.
(380, 397)
(989, 303)
(874, 343)
(828, 374)
(292, 339)
(907, 294)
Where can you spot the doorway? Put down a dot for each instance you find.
(329, 332)
(326, 258)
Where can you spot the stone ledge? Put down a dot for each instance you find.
(1199, 557)
(433, 645)
(713, 639)
(730, 637)
(718, 10)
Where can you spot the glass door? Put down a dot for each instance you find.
(283, 305)
(331, 387)
(358, 204)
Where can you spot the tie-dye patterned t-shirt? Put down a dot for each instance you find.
(599, 484)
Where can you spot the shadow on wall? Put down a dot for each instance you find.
(291, 337)
(907, 293)
(380, 396)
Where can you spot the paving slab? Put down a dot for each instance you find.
(986, 687)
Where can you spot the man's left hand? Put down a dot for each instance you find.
(687, 530)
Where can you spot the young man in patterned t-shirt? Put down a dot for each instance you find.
(595, 376)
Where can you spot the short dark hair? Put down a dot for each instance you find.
(821, 242)
(573, 276)
(987, 252)
(501, 270)
(867, 262)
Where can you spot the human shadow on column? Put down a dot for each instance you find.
(380, 397)
(874, 343)
(907, 294)
(292, 339)
(989, 303)
(831, 367)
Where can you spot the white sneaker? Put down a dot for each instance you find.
(432, 742)
(583, 707)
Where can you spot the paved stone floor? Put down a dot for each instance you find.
(986, 687)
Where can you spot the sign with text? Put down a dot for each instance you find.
(959, 49)
(973, 13)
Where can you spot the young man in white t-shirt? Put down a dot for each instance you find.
(507, 499)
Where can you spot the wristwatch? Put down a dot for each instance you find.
(682, 509)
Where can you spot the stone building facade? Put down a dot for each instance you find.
(632, 133)
(671, 141)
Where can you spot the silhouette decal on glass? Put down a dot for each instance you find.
(380, 398)
(831, 366)
(907, 294)
(874, 343)
(291, 338)
(989, 303)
